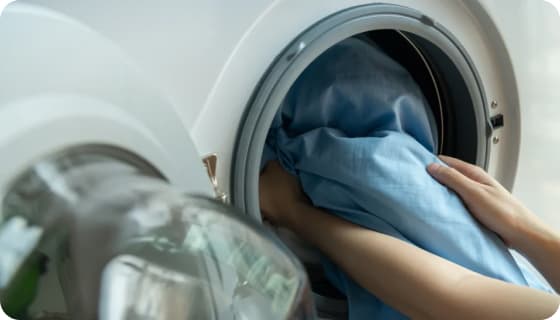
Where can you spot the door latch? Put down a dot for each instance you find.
(211, 164)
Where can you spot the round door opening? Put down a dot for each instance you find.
(436, 61)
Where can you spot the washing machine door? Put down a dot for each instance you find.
(75, 111)
(126, 244)
(66, 84)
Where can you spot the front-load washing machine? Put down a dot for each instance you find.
(189, 89)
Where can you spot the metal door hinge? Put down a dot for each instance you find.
(211, 164)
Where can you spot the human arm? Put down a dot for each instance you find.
(411, 280)
(500, 212)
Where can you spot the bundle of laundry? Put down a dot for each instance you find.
(357, 132)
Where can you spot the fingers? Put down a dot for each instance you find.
(473, 172)
(452, 178)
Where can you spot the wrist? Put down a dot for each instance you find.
(534, 238)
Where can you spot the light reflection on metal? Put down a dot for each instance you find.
(211, 164)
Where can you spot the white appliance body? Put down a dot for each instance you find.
(171, 81)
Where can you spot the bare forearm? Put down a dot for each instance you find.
(397, 272)
(366, 256)
(486, 298)
(492, 205)
(541, 245)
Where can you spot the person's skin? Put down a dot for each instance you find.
(417, 283)
(499, 211)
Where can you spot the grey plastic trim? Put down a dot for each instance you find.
(308, 46)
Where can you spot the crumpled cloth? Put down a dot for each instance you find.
(357, 131)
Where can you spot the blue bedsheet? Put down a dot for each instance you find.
(357, 132)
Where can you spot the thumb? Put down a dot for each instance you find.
(452, 178)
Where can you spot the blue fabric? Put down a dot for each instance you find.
(356, 130)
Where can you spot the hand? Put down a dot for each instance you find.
(280, 195)
(487, 200)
